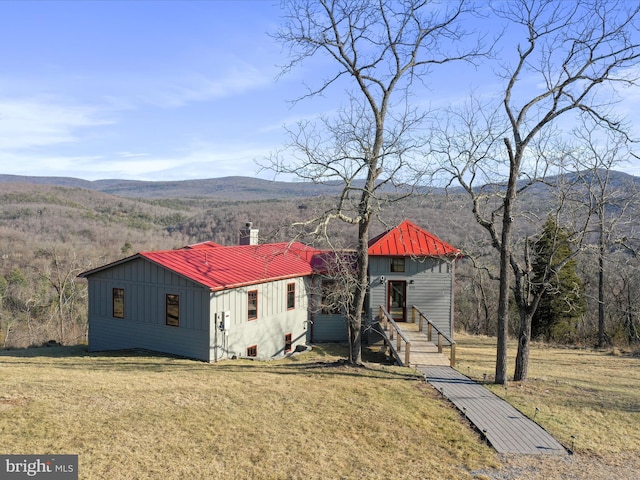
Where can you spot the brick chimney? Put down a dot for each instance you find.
(248, 234)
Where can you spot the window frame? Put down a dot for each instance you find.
(114, 298)
(172, 300)
(252, 351)
(398, 265)
(250, 294)
(291, 296)
(288, 342)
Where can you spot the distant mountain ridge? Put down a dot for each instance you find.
(248, 188)
(232, 188)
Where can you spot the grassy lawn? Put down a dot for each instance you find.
(135, 416)
(592, 396)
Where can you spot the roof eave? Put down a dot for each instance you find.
(110, 265)
(258, 282)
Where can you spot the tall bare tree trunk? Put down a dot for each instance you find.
(602, 334)
(361, 292)
(503, 316)
(521, 370)
(632, 331)
(505, 266)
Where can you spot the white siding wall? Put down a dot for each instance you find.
(269, 329)
(144, 326)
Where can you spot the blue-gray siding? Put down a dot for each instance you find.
(431, 290)
(429, 287)
(144, 326)
(329, 328)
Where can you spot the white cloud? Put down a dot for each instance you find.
(39, 165)
(34, 122)
(205, 160)
(130, 154)
(201, 161)
(179, 89)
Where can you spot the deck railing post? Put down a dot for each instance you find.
(429, 331)
(406, 354)
(399, 343)
(383, 317)
(413, 314)
(453, 355)
(439, 342)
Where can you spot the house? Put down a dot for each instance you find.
(407, 266)
(207, 301)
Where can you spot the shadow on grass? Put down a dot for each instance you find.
(54, 351)
(324, 359)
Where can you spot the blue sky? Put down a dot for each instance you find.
(151, 90)
(140, 90)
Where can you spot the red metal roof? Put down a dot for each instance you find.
(407, 239)
(219, 267)
(207, 244)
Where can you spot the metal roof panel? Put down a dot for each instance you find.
(221, 267)
(407, 239)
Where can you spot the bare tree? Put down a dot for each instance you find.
(610, 203)
(381, 50)
(475, 299)
(61, 274)
(570, 55)
(626, 301)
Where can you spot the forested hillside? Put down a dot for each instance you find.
(49, 234)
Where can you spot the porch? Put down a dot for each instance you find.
(416, 342)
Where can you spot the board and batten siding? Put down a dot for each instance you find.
(329, 328)
(274, 321)
(144, 325)
(431, 290)
(325, 327)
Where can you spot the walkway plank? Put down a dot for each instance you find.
(505, 428)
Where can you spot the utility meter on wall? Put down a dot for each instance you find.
(224, 319)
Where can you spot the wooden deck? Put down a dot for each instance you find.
(423, 352)
(505, 428)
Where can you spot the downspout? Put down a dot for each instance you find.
(453, 297)
(215, 329)
(311, 309)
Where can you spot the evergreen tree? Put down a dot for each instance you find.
(562, 302)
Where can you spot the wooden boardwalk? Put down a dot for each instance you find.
(505, 428)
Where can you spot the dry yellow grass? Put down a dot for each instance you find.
(592, 396)
(140, 416)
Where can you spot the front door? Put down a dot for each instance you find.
(396, 302)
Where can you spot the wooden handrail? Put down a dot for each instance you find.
(423, 316)
(441, 335)
(385, 320)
